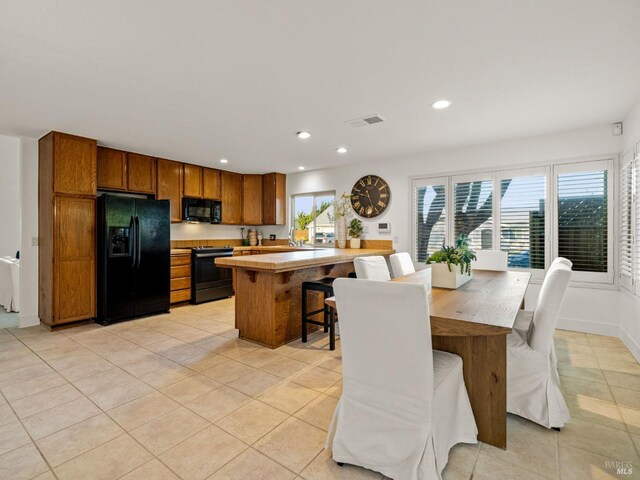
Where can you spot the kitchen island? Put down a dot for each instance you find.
(268, 288)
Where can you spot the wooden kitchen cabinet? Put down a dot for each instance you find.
(251, 199)
(180, 276)
(274, 199)
(192, 181)
(111, 169)
(231, 196)
(66, 229)
(141, 173)
(211, 183)
(169, 185)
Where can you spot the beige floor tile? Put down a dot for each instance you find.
(285, 367)
(12, 436)
(252, 465)
(623, 380)
(126, 354)
(201, 455)
(581, 360)
(570, 336)
(585, 388)
(142, 410)
(462, 459)
(589, 374)
(323, 467)
(39, 402)
(529, 446)
(289, 397)
(335, 390)
(103, 380)
(150, 363)
(255, 383)
(595, 411)
(237, 348)
(604, 341)
(6, 414)
(490, 468)
(626, 398)
(310, 355)
(606, 441)
(86, 369)
(16, 361)
(66, 444)
(252, 421)
(620, 367)
(228, 372)
(636, 441)
(218, 403)
(22, 463)
(577, 464)
(167, 375)
(182, 352)
(48, 475)
(153, 470)
(120, 394)
(319, 412)
(190, 388)
(33, 386)
(316, 378)
(164, 432)
(50, 421)
(205, 361)
(631, 418)
(332, 363)
(106, 462)
(259, 358)
(293, 444)
(619, 353)
(23, 374)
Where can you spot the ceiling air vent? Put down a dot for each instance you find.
(364, 121)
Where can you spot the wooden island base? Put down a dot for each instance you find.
(269, 304)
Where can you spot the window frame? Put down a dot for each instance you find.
(315, 195)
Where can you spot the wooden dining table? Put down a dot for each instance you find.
(473, 322)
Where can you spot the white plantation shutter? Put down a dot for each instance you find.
(522, 220)
(430, 217)
(626, 221)
(636, 220)
(473, 215)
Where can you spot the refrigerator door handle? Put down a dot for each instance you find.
(132, 241)
(139, 241)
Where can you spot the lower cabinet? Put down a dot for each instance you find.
(180, 277)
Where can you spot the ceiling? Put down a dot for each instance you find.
(201, 80)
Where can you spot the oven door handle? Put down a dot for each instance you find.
(214, 255)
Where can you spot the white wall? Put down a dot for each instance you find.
(9, 195)
(586, 309)
(29, 252)
(203, 231)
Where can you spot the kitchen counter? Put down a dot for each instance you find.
(180, 251)
(268, 288)
(299, 259)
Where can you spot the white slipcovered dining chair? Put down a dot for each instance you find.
(372, 268)
(533, 383)
(495, 260)
(403, 404)
(401, 264)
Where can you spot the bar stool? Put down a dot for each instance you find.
(324, 285)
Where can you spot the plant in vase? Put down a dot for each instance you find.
(458, 255)
(355, 231)
(342, 208)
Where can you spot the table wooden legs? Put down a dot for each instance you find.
(485, 375)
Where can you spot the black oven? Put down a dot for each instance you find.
(208, 281)
(202, 211)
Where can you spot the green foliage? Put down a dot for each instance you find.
(355, 228)
(459, 254)
(304, 219)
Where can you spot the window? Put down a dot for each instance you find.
(313, 222)
(431, 217)
(626, 220)
(534, 214)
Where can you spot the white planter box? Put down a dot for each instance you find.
(441, 277)
(354, 243)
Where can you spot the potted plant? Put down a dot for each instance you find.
(342, 208)
(458, 255)
(355, 230)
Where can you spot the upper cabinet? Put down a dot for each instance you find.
(211, 183)
(274, 199)
(141, 173)
(74, 159)
(112, 169)
(192, 181)
(169, 184)
(251, 199)
(231, 196)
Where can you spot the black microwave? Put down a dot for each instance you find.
(201, 211)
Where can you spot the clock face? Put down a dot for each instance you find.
(370, 196)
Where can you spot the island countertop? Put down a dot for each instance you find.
(304, 258)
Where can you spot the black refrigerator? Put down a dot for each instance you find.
(134, 259)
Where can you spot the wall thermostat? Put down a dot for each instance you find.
(384, 227)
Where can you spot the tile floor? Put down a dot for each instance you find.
(178, 396)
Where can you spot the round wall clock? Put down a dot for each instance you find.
(370, 196)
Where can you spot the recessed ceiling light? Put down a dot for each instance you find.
(341, 150)
(303, 135)
(440, 104)
(224, 160)
(300, 168)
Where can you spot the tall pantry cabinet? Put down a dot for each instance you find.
(67, 228)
